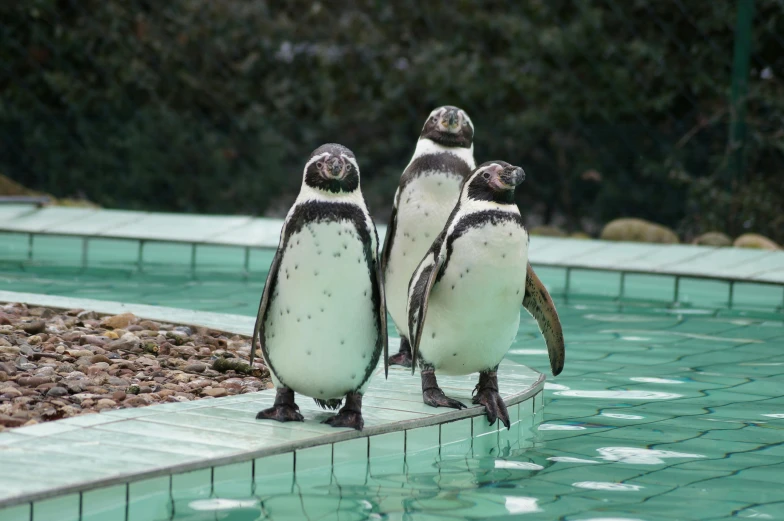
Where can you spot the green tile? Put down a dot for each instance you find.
(149, 499)
(104, 504)
(16, 513)
(456, 431)
(269, 484)
(275, 465)
(234, 480)
(191, 485)
(313, 458)
(350, 450)
(62, 508)
(389, 444)
(421, 439)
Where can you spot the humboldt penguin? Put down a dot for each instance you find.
(464, 298)
(427, 193)
(321, 322)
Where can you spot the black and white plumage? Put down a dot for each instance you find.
(426, 195)
(464, 298)
(321, 322)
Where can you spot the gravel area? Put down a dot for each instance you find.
(57, 364)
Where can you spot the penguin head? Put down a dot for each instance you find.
(332, 168)
(494, 181)
(449, 126)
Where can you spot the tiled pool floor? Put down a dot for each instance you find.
(664, 411)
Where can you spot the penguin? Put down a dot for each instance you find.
(464, 297)
(427, 193)
(321, 323)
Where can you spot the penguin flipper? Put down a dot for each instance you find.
(538, 303)
(382, 315)
(418, 294)
(389, 237)
(272, 277)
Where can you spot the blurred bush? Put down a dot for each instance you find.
(613, 107)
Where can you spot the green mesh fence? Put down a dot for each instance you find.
(669, 110)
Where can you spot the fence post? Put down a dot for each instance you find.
(740, 86)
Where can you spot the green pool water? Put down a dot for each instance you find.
(664, 411)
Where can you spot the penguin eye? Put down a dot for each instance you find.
(486, 175)
(320, 164)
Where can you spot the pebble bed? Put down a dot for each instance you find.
(57, 364)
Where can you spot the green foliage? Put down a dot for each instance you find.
(613, 107)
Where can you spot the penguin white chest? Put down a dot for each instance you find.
(424, 206)
(474, 309)
(321, 328)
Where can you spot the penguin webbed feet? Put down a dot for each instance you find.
(403, 356)
(284, 409)
(350, 415)
(432, 394)
(486, 393)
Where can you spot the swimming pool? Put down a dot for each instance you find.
(664, 411)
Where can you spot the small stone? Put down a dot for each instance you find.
(97, 369)
(104, 403)
(118, 396)
(112, 335)
(120, 321)
(215, 392)
(197, 367)
(33, 381)
(34, 327)
(94, 340)
(34, 340)
(100, 358)
(55, 392)
(11, 392)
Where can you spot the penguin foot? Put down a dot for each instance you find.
(346, 418)
(284, 409)
(486, 393)
(350, 415)
(435, 397)
(281, 413)
(432, 394)
(403, 356)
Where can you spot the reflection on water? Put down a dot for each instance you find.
(612, 444)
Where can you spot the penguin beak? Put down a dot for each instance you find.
(450, 121)
(335, 168)
(509, 178)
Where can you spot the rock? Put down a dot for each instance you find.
(3, 376)
(215, 392)
(126, 342)
(94, 340)
(184, 329)
(104, 403)
(10, 392)
(753, 240)
(34, 327)
(111, 335)
(9, 421)
(133, 389)
(79, 353)
(197, 367)
(547, 231)
(87, 315)
(120, 321)
(118, 396)
(55, 392)
(580, 235)
(9, 350)
(45, 371)
(713, 239)
(638, 230)
(34, 340)
(8, 368)
(33, 381)
(100, 358)
(97, 369)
